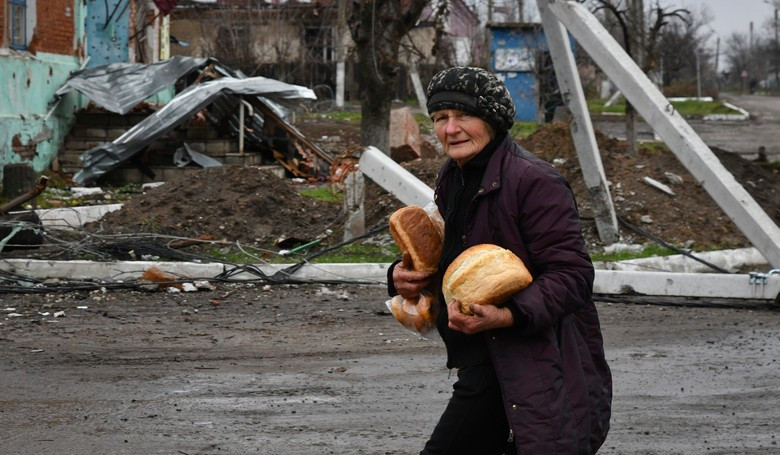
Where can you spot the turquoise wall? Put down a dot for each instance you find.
(31, 129)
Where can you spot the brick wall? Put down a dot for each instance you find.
(3, 6)
(54, 27)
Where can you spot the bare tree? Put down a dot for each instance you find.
(678, 45)
(377, 27)
(639, 33)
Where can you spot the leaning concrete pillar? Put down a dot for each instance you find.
(657, 111)
(581, 126)
(354, 195)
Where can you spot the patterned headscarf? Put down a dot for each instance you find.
(475, 91)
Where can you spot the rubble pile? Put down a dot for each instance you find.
(231, 202)
(690, 217)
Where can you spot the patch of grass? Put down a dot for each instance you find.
(597, 106)
(688, 108)
(345, 116)
(234, 255)
(771, 166)
(696, 108)
(523, 129)
(361, 253)
(323, 194)
(652, 249)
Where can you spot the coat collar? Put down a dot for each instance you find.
(491, 181)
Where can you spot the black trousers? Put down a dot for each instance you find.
(474, 422)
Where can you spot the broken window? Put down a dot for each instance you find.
(319, 43)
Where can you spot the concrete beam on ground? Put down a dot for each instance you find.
(732, 260)
(581, 125)
(395, 179)
(127, 271)
(657, 111)
(702, 285)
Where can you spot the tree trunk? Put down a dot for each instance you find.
(378, 27)
(375, 105)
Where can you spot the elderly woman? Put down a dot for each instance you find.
(532, 377)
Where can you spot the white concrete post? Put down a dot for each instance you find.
(687, 146)
(395, 179)
(418, 88)
(581, 126)
(354, 195)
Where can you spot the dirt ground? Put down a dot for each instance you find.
(314, 369)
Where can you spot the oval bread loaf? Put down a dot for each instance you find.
(414, 231)
(484, 274)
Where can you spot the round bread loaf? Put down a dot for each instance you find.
(484, 274)
(414, 231)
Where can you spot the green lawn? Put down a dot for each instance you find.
(688, 108)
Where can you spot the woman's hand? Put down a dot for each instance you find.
(407, 282)
(484, 317)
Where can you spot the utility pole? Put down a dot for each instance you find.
(340, 52)
(777, 53)
(717, 57)
(698, 76)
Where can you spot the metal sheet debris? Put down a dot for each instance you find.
(101, 159)
(119, 87)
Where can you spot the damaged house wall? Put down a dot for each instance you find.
(60, 37)
(32, 66)
(296, 42)
(292, 42)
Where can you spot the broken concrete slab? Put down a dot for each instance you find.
(404, 139)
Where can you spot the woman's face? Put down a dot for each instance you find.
(463, 135)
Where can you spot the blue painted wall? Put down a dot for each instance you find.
(516, 55)
(107, 39)
(32, 130)
(513, 51)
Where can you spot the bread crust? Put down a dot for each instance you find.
(414, 231)
(484, 274)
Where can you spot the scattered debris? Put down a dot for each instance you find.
(673, 178)
(658, 185)
(165, 279)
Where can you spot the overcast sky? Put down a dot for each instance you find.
(731, 16)
(728, 16)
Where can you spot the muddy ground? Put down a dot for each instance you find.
(313, 369)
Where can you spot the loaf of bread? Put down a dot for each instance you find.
(414, 231)
(417, 314)
(484, 275)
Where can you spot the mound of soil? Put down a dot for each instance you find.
(253, 206)
(691, 217)
(230, 202)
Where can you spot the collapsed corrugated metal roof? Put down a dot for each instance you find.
(101, 159)
(120, 86)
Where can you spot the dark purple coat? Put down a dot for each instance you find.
(555, 382)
